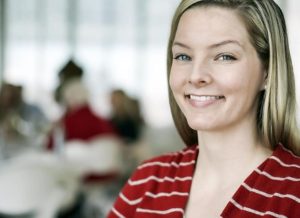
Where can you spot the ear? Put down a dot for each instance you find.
(265, 81)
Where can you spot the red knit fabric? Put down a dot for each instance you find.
(160, 188)
(83, 124)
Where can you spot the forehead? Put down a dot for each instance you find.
(212, 23)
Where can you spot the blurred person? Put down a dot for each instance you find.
(8, 104)
(128, 121)
(22, 125)
(8, 99)
(79, 121)
(33, 115)
(232, 96)
(126, 116)
(80, 125)
(89, 143)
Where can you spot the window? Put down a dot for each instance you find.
(118, 43)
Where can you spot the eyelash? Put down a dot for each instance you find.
(225, 57)
(182, 57)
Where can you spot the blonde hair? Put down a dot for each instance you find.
(276, 115)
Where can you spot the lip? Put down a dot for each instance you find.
(200, 101)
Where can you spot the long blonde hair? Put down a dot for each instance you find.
(276, 115)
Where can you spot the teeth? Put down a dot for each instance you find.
(204, 98)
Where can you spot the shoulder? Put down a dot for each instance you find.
(282, 174)
(183, 157)
(282, 166)
(170, 165)
(161, 175)
(272, 189)
(286, 161)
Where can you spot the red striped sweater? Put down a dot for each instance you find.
(160, 188)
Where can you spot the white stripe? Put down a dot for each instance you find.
(162, 164)
(289, 151)
(292, 197)
(130, 202)
(172, 210)
(277, 178)
(250, 210)
(166, 194)
(189, 151)
(169, 179)
(117, 213)
(284, 164)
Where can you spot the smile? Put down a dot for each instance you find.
(203, 101)
(204, 98)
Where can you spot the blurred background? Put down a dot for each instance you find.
(118, 43)
(68, 65)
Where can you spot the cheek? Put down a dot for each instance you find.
(236, 85)
(242, 90)
(178, 78)
(229, 84)
(175, 80)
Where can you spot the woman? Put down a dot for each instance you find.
(232, 95)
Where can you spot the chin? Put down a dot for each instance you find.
(201, 126)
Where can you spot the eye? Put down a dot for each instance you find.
(225, 57)
(182, 57)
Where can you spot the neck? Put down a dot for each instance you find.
(230, 156)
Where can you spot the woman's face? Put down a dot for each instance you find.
(216, 74)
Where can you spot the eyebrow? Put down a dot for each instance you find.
(180, 45)
(225, 43)
(213, 46)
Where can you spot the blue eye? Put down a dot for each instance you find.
(182, 57)
(225, 57)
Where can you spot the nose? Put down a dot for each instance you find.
(200, 74)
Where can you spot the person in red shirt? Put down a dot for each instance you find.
(88, 145)
(79, 121)
(80, 125)
(232, 97)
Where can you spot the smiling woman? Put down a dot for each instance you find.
(217, 85)
(232, 96)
